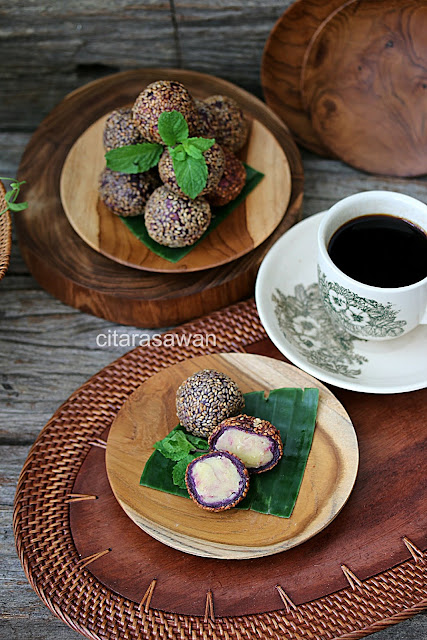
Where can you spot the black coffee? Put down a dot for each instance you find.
(380, 250)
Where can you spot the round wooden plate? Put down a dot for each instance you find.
(243, 230)
(83, 278)
(282, 63)
(150, 414)
(364, 85)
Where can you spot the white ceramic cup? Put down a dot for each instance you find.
(372, 313)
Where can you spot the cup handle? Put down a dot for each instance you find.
(424, 318)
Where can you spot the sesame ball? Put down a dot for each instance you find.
(232, 181)
(207, 124)
(215, 162)
(120, 130)
(176, 221)
(205, 399)
(231, 126)
(160, 96)
(124, 193)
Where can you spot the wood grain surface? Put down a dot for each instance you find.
(50, 48)
(150, 414)
(364, 85)
(87, 280)
(242, 231)
(48, 349)
(282, 64)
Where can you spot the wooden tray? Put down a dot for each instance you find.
(76, 274)
(107, 578)
(363, 85)
(150, 414)
(5, 234)
(242, 231)
(282, 63)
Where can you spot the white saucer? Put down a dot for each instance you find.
(294, 318)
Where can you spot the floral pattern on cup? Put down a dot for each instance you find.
(361, 316)
(306, 324)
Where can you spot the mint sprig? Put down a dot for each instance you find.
(182, 448)
(12, 194)
(134, 158)
(188, 161)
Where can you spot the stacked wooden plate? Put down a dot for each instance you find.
(88, 258)
(350, 80)
(5, 234)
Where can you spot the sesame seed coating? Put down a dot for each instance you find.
(232, 181)
(120, 130)
(215, 162)
(207, 125)
(126, 194)
(232, 127)
(176, 221)
(160, 96)
(205, 399)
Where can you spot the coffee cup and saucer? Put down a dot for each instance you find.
(343, 294)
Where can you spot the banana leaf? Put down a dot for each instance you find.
(137, 225)
(293, 411)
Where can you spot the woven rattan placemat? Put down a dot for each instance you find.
(5, 234)
(65, 581)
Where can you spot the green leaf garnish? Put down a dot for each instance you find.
(178, 472)
(202, 144)
(11, 196)
(191, 175)
(173, 127)
(177, 446)
(134, 158)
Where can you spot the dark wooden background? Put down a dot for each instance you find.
(47, 49)
(47, 350)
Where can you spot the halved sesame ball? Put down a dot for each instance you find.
(256, 442)
(205, 399)
(120, 130)
(232, 128)
(232, 181)
(215, 162)
(158, 97)
(217, 481)
(176, 221)
(126, 194)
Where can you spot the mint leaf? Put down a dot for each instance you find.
(178, 472)
(200, 444)
(134, 158)
(203, 144)
(175, 446)
(11, 196)
(192, 150)
(172, 127)
(191, 175)
(178, 153)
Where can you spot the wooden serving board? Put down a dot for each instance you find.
(150, 414)
(244, 229)
(76, 274)
(364, 85)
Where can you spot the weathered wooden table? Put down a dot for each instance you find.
(47, 349)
